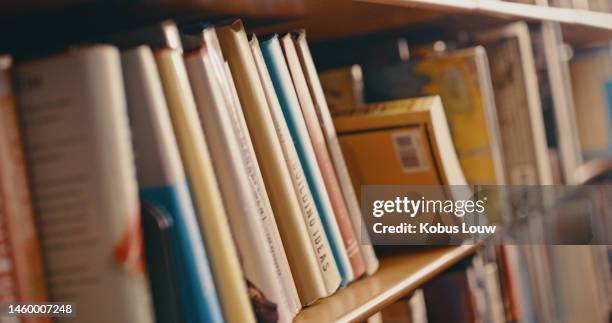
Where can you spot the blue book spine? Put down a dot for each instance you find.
(275, 62)
(198, 295)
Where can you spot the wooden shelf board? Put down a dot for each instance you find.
(398, 276)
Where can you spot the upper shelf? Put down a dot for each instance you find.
(398, 276)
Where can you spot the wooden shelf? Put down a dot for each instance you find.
(398, 276)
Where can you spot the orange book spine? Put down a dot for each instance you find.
(323, 158)
(20, 242)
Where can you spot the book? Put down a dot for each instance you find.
(283, 86)
(517, 99)
(462, 80)
(343, 87)
(205, 192)
(319, 145)
(556, 98)
(163, 184)
(22, 274)
(315, 231)
(277, 178)
(410, 309)
(157, 228)
(83, 183)
(331, 138)
(449, 291)
(249, 212)
(402, 142)
(590, 71)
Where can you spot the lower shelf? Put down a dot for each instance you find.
(397, 276)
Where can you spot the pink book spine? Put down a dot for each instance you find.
(21, 239)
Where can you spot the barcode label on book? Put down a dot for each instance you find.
(409, 149)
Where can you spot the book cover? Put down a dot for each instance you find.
(343, 87)
(205, 192)
(277, 177)
(83, 182)
(23, 272)
(449, 291)
(163, 183)
(402, 142)
(517, 99)
(283, 86)
(589, 72)
(462, 80)
(249, 212)
(322, 156)
(335, 152)
(314, 227)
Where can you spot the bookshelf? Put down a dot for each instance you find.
(324, 20)
(397, 276)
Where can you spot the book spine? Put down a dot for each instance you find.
(19, 235)
(312, 220)
(283, 86)
(84, 185)
(204, 188)
(239, 123)
(327, 126)
(163, 183)
(322, 156)
(269, 153)
(250, 215)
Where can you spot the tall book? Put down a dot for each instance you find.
(22, 273)
(517, 99)
(556, 96)
(316, 232)
(590, 71)
(165, 41)
(401, 142)
(277, 178)
(163, 183)
(283, 86)
(319, 145)
(203, 183)
(84, 186)
(335, 152)
(249, 212)
(463, 81)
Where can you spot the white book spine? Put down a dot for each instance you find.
(80, 156)
(320, 244)
(250, 214)
(327, 125)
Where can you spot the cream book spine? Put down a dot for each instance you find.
(204, 187)
(250, 215)
(77, 139)
(277, 177)
(315, 231)
(241, 131)
(335, 152)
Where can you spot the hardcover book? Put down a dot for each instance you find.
(521, 124)
(315, 231)
(462, 80)
(277, 177)
(22, 274)
(84, 184)
(249, 212)
(283, 86)
(163, 183)
(329, 131)
(322, 156)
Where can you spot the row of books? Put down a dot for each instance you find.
(247, 206)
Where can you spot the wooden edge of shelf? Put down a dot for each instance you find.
(397, 276)
(601, 20)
